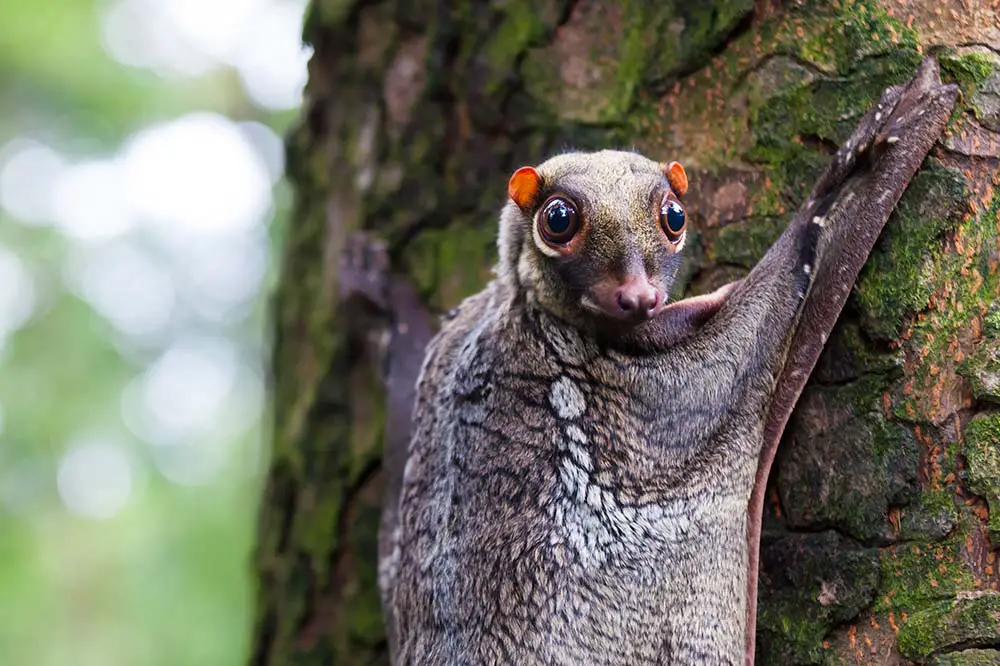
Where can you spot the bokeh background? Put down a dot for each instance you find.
(141, 207)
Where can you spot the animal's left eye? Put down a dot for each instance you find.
(558, 221)
(673, 221)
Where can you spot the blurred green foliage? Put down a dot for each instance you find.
(167, 581)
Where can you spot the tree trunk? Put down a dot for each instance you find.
(878, 536)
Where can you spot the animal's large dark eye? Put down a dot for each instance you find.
(559, 221)
(672, 219)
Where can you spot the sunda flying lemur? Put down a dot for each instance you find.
(580, 478)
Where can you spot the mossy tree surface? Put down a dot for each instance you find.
(877, 545)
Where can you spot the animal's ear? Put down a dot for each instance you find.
(524, 187)
(676, 176)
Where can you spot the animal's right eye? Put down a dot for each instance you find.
(673, 221)
(558, 221)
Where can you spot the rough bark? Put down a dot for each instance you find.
(878, 544)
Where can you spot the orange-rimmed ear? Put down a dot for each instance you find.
(524, 187)
(677, 178)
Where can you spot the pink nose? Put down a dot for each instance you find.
(637, 298)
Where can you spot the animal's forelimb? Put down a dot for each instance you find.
(850, 204)
(388, 314)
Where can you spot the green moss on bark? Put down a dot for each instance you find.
(982, 369)
(745, 242)
(928, 519)
(815, 582)
(448, 264)
(993, 321)
(898, 278)
(916, 574)
(846, 464)
(976, 70)
(968, 70)
(968, 621)
(966, 284)
(968, 658)
(848, 355)
(982, 454)
(606, 53)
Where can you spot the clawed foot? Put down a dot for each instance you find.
(364, 271)
(899, 113)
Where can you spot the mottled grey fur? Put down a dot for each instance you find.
(576, 491)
